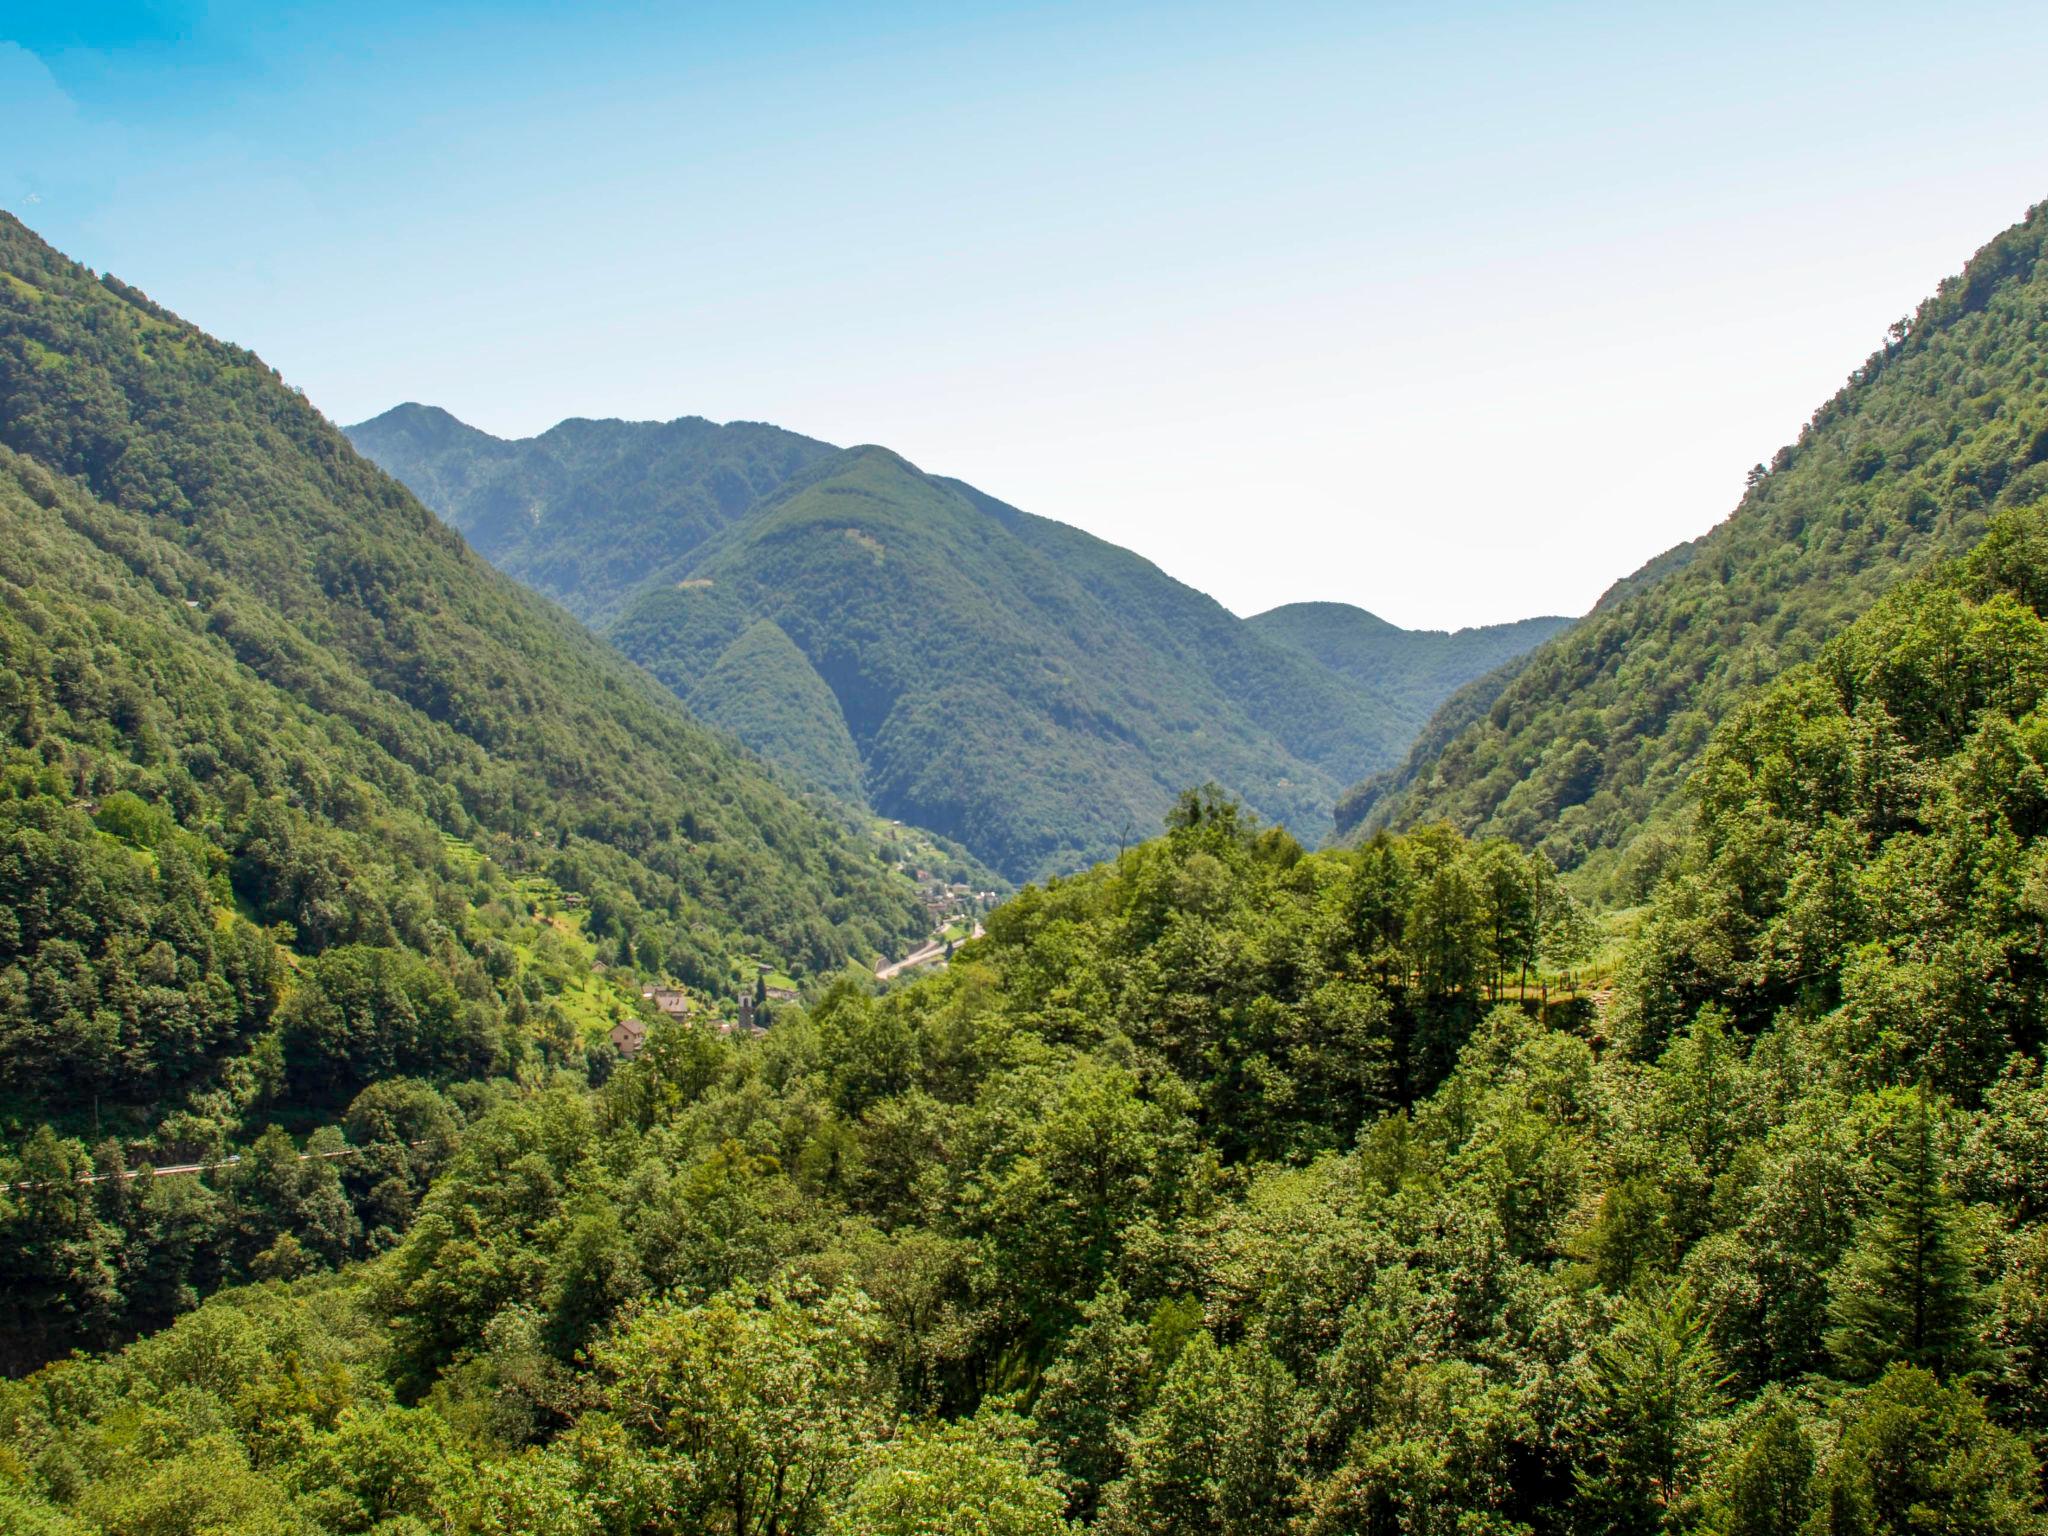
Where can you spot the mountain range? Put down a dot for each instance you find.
(908, 643)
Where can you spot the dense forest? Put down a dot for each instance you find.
(904, 642)
(311, 824)
(1590, 739)
(1234, 1188)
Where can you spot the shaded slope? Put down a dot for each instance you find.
(963, 628)
(1594, 733)
(994, 698)
(763, 690)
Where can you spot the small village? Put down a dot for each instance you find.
(954, 906)
(951, 904)
(752, 1010)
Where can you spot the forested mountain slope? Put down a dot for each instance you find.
(298, 796)
(1228, 1188)
(1591, 737)
(1469, 704)
(585, 510)
(1000, 678)
(1314, 711)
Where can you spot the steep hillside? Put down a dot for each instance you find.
(584, 511)
(298, 796)
(1592, 736)
(1414, 669)
(1469, 705)
(533, 727)
(765, 691)
(1312, 712)
(1004, 681)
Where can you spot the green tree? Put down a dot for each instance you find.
(2019, 1332)
(1919, 1456)
(1218, 1454)
(290, 1211)
(59, 1257)
(1906, 1291)
(760, 1404)
(590, 1274)
(1567, 932)
(1629, 1243)
(1654, 1383)
(971, 1479)
(1092, 1394)
(1764, 1486)
(1508, 917)
(1443, 922)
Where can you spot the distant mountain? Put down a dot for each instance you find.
(1588, 738)
(1416, 668)
(906, 641)
(1031, 692)
(584, 511)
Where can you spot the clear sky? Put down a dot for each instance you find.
(1457, 312)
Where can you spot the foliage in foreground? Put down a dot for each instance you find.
(1233, 1189)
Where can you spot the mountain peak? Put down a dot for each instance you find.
(423, 425)
(876, 454)
(1327, 613)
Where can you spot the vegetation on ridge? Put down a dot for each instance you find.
(1590, 739)
(587, 509)
(906, 641)
(1416, 669)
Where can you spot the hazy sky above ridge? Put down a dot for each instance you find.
(1456, 312)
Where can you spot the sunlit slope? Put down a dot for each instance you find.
(1591, 738)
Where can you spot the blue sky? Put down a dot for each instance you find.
(1457, 312)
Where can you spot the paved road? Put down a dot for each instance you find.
(164, 1173)
(924, 954)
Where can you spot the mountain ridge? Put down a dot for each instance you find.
(583, 511)
(1163, 687)
(1586, 742)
